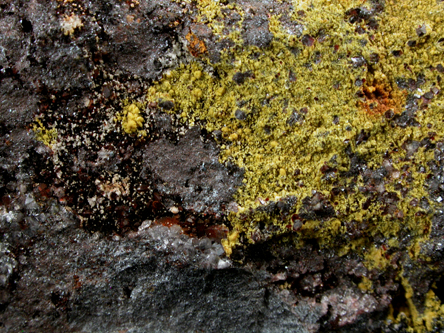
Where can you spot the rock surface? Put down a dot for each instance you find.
(107, 232)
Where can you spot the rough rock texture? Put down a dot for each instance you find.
(155, 280)
(101, 231)
(191, 170)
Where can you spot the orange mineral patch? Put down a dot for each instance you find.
(196, 46)
(380, 98)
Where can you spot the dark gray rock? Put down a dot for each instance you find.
(137, 38)
(256, 31)
(191, 170)
(156, 280)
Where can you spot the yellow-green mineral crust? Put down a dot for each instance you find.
(47, 136)
(131, 119)
(291, 115)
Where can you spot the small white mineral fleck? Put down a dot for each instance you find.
(174, 210)
(70, 23)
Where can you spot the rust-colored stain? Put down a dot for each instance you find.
(168, 221)
(381, 98)
(196, 46)
(195, 227)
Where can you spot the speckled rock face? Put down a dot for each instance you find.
(221, 166)
(190, 169)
